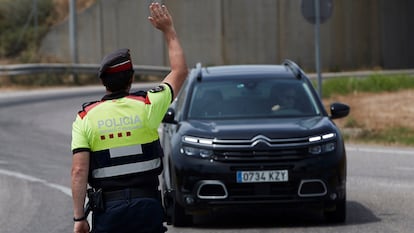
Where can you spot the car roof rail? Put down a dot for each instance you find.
(297, 71)
(198, 71)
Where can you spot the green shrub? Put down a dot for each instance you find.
(352, 123)
(391, 136)
(17, 27)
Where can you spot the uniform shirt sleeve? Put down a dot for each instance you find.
(79, 137)
(160, 99)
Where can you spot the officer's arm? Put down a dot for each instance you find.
(162, 20)
(80, 169)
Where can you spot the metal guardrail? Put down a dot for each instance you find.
(24, 69)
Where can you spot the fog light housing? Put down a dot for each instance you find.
(189, 200)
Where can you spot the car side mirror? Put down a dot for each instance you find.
(339, 110)
(169, 117)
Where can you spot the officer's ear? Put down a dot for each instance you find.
(131, 79)
(103, 83)
(132, 76)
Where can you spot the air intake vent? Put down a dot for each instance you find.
(211, 189)
(312, 188)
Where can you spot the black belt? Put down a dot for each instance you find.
(126, 194)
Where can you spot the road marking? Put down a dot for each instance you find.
(61, 188)
(380, 150)
(390, 185)
(410, 169)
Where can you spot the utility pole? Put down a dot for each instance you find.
(317, 45)
(73, 37)
(36, 21)
(317, 12)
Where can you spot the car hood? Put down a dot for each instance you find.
(272, 128)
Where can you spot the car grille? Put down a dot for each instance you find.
(260, 149)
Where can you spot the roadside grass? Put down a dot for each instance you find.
(398, 135)
(393, 136)
(48, 80)
(355, 131)
(374, 84)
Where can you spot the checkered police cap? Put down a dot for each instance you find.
(117, 61)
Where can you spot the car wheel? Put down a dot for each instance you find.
(338, 215)
(179, 218)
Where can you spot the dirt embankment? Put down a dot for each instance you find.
(378, 111)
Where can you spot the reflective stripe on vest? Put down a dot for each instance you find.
(125, 169)
(125, 151)
(114, 166)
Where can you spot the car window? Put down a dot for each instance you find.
(252, 99)
(180, 99)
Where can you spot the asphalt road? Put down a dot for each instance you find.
(35, 162)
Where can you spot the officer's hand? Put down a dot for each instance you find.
(159, 17)
(81, 227)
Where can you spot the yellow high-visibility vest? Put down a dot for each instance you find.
(121, 132)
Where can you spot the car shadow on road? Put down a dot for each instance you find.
(357, 213)
(257, 218)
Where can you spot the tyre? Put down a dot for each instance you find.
(178, 216)
(338, 215)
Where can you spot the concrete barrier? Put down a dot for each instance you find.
(359, 35)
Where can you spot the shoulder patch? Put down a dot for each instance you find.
(157, 89)
(140, 93)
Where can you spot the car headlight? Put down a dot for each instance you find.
(192, 147)
(196, 152)
(323, 148)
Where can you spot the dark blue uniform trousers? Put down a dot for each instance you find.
(136, 215)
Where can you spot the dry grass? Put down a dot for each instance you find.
(378, 111)
(378, 118)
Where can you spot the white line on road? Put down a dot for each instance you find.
(389, 150)
(61, 188)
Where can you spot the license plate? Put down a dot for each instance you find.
(262, 176)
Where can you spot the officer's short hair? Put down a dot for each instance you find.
(116, 70)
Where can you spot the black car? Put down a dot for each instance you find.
(252, 136)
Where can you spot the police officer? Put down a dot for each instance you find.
(115, 143)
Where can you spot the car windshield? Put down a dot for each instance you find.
(262, 98)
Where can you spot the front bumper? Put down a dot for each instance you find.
(207, 185)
